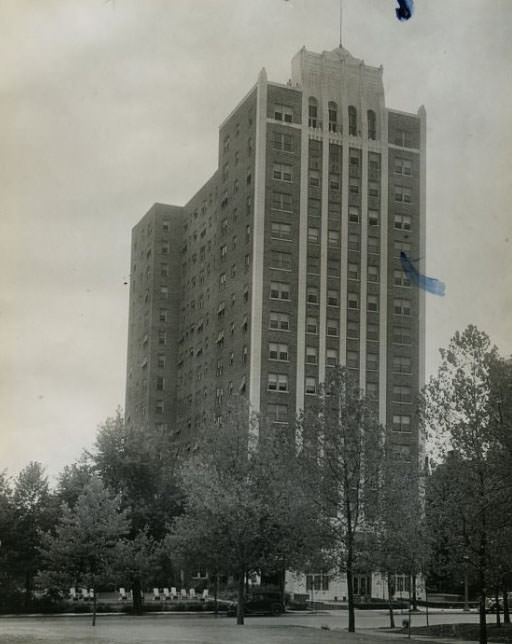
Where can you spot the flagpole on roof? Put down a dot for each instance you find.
(341, 22)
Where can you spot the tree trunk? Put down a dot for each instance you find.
(414, 596)
(137, 597)
(240, 609)
(216, 594)
(498, 616)
(94, 606)
(506, 608)
(350, 586)
(391, 592)
(27, 599)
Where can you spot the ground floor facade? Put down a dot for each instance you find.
(333, 587)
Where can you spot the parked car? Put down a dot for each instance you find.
(491, 604)
(260, 604)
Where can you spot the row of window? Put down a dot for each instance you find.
(279, 413)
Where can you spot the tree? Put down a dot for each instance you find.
(401, 544)
(139, 464)
(238, 515)
(463, 415)
(34, 510)
(82, 549)
(343, 448)
(135, 561)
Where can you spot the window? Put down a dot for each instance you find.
(334, 181)
(162, 337)
(374, 162)
(281, 230)
(400, 246)
(164, 248)
(372, 390)
(372, 361)
(313, 265)
(401, 394)
(352, 120)
(311, 355)
(312, 295)
(277, 413)
(372, 124)
(373, 273)
(277, 382)
(403, 167)
(401, 307)
(401, 453)
(353, 214)
(354, 186)
(280, 260)
(222, 281)
(352, 359)
(244, 356)
(401, 423)
(372, 332)
(352, 329)
(373, 189)
(333, 116)
(279, 291)
(282, 142)
(402, 335)
(401, 364)
(399, 278)
(225, 171)
(282, 172)
(402, 222)
(354, 241)
(313, 234)
(332, 357)
(333, 238)
(403, 194)
(283, 113)
(160, 383)
(332, 298)
(282, 201)
(333, 328)
(373, 245)
(310, 385)
(373, 217)
(159, 407)
(313, 112)
(223, 251)
(164, 292)
(278, 351)
(353, 271)
(161, 361)
(220, 368)
(311, 325)
(279, 321)
(373, 303)
(353, 300)
(227, 142)
(163, 315)
(333, 268)
(314, 178)
(220, 310)
(164, 270)
(317, 582)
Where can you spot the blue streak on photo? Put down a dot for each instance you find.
(405, 9)
(429, 284)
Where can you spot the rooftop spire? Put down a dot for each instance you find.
(341, 22)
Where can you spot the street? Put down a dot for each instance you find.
(302, 628)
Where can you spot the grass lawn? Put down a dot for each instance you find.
(467, 631)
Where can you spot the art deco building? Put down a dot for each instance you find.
(286, 261)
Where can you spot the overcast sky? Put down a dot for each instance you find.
(107, 106)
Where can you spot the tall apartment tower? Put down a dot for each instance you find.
(286, 261)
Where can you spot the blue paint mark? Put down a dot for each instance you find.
(429, 284)
(405, 9)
